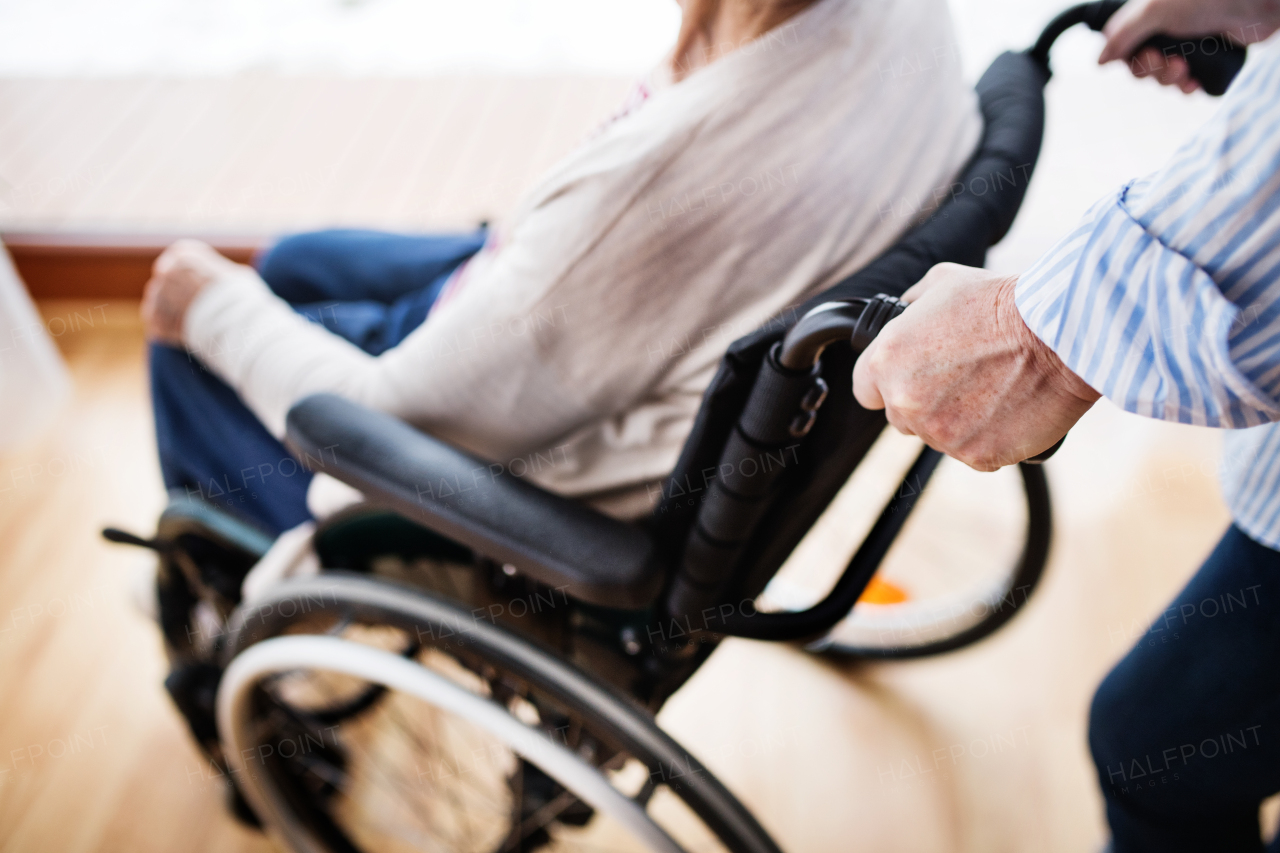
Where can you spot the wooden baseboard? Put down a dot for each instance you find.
(102, 266)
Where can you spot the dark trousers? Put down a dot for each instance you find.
(1185, 731)
(368, 287)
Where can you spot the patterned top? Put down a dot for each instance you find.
(1166, 297)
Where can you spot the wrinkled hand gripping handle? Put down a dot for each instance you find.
(883, 309)
(804, 345)
(1213, 60)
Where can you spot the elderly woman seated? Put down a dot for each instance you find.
(784, 144)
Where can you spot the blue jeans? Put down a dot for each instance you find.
(1185, 731)
(368, 287)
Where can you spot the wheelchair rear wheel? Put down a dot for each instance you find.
(952, 618)
(363, 715)
(968, 559)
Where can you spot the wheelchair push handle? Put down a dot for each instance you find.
(1213, 60)
(858, 322)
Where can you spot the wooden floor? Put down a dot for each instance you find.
(93, 758)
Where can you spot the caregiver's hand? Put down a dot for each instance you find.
(961, 370)
(1136, 21)
(178, 276)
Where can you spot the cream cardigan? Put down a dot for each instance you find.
(577, 352)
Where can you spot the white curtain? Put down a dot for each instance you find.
(33, 379)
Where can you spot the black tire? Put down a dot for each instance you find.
(615, 729)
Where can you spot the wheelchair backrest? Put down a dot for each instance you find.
(977, 214)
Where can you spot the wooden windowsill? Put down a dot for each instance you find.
(103, 266)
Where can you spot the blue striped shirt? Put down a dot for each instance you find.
(1166, 297)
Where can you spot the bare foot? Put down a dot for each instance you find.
(179, 275)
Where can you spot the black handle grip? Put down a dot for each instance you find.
(1213, 60)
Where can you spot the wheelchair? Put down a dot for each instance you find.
(466, 662)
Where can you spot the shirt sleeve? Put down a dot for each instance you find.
(458, 375)
(1166, 297)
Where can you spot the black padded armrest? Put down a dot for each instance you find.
(550, 538)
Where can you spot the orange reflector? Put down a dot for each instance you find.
(883, 592)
